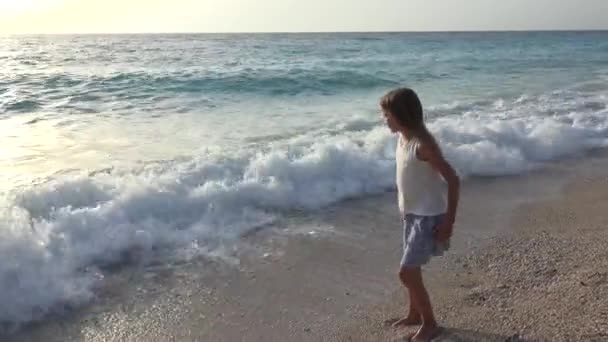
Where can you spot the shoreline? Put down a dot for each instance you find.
(339, 282)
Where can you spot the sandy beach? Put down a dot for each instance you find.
(528, 263)
(545, 280)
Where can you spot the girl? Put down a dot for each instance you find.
(428, 212)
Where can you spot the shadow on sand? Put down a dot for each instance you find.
(463, 335)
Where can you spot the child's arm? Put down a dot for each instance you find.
(431, 153)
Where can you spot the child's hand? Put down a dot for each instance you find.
(443, 232)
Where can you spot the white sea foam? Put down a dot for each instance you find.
(58, 236)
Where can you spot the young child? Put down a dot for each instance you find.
(427, 205)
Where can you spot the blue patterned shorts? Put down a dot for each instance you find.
(419, 243)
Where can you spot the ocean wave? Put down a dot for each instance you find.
(20, 106)
(72, 92)
(138, 85)
(58, 236)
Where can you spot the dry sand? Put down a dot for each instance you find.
(546, 280)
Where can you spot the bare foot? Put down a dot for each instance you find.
(426, 333)
(404, 322)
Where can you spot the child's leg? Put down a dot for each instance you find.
(413, 317)
(412, 278)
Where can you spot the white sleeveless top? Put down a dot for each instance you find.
(421, 189)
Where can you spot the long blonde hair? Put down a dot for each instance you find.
(405, 106)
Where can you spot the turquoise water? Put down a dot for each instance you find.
(109, 100)
(181, 143)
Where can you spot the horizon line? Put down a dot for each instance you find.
(299, 32)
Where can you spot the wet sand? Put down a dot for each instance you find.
(528, 262)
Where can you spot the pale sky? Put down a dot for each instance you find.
(142, 16)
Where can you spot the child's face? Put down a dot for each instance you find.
(391, 122)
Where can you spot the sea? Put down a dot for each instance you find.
(176, 146)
